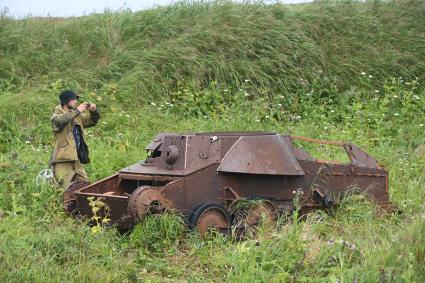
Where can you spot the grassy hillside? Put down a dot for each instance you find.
(340, 70)
(277, 47)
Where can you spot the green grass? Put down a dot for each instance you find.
(203, 66)
(278, 47)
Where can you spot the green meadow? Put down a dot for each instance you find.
(338, 70)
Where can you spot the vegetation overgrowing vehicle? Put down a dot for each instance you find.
(337, 70)
(205, 176)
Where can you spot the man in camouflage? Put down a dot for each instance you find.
(70, 150)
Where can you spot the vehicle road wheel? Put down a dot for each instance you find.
(261, 212)
(69, 200)
(210, 216)
(254, 213)
(146, 199)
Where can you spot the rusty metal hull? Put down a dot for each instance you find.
(184, 172)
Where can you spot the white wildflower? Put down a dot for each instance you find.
(363, 73)
(153, 103)
(377, 91)
(247, 81)
(395, 114)
(370, 76)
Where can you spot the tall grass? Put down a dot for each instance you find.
(317, 249)
(280, 48)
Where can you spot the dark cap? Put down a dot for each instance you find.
(66, 96)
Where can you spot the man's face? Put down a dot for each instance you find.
(72, 103)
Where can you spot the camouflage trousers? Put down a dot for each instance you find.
(69, 171)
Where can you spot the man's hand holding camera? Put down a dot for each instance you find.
(86, 106)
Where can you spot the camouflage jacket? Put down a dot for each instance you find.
(63, 122)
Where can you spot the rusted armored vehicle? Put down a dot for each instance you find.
(204, 175)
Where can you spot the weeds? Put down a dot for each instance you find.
(292, 251)
(159, 233)
(100, 217)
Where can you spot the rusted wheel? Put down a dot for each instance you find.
(260, 213)
(210, 216)
(146, 199)
(69, 200)
(253, 213)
